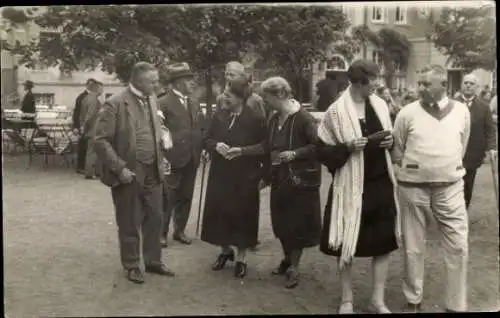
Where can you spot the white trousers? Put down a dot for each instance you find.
(447, 206)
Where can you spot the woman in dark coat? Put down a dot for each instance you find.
(294, 175)
(235, 141)
(364, 228)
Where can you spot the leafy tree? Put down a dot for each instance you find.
(292, 38)
(116, 37)
(394, 47)
(207, 37)
(467, 35)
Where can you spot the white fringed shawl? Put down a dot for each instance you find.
(339, 125)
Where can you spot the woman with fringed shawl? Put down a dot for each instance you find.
(361, 211)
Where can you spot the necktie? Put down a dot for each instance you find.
(184, 101)
(468, 102)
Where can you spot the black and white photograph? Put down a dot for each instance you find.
(250, 158)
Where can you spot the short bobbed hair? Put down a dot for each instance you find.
(276, 86)
(361, 70)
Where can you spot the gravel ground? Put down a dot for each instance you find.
(61, 258)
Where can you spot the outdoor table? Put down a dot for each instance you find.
(17, 131)
(54, 137)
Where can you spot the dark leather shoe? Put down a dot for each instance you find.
(413, 308)
(240, 270)
(221, 261)
(159, 270)
(182, 238)
(282, 268)
(292, 278)
(135, 275)
(163, 242)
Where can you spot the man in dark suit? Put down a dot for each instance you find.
(326, 91)
(129, 148)
(90, 107)
(28, 103)
(81, 152)
(482, 133)
(184, 119)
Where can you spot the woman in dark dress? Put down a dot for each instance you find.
(235, 141)
(295, 177)
(376, 236)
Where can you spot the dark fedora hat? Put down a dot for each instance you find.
(29, 84)
(178, 70)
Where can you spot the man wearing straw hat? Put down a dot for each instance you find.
(184, 119)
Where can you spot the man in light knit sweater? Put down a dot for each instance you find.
(430, 139)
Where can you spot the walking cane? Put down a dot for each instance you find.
(201, 195)
(494, 173)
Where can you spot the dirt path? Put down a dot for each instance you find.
(61, 259)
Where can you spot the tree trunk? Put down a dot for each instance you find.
(209, 91)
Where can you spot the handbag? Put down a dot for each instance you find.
(307, 178)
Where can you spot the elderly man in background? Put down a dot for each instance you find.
(184, 119)
(430, 139)
(235, 75)
(89, 108)
(129, 146)
(482, 132)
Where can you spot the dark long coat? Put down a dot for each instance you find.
(231, 211)
(295, 211)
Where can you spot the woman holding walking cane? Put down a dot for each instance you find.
(235, 142)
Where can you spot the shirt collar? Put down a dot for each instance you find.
(176, 92)
(136, 92)
(443, 102)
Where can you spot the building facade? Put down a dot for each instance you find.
(51, 86)
(409, 19)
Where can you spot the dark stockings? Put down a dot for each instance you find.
(292, 256)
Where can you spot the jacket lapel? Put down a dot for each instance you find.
(154, 117)
(131, 105)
